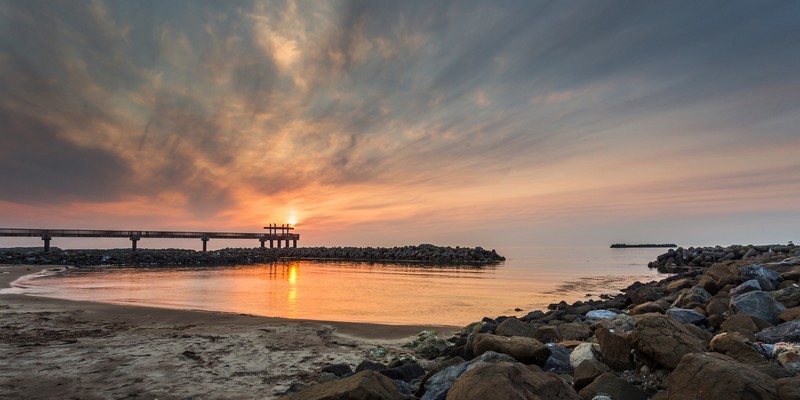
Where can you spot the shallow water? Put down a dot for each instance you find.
(388, 293)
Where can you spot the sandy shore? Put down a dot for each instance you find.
(51, 348)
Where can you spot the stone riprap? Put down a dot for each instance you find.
(680, 259)
(691, 335)
(424, 253)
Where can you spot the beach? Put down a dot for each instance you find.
(51, 348)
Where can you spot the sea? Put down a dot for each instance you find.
(530, 279)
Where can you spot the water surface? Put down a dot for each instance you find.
(389, 293)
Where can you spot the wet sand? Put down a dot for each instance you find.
(52, 348)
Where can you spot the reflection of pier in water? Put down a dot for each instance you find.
(275, 233)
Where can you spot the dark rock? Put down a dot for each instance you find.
(523, 349)
(686, 315)
(755, 271)
(574, 331)
(547, 334)
(644, 294)
(365, 385)
(587, 371)
(338, 369)
(790, 314)
(437, 386)
(558, 362)
(788, 388)
(741, 323)
(648, 307)
(789, 297)
(614, 348)
(724, 274)
(746, 286)
(785, 332)
(510, 381)
(663, 340)
(533, 315)
(737, 346)
(718, 305)
(367, 365)
(701, 376)
(759, 304)
(405, 372)
(612, 386)
(694, 296)
(515, 327)
(436, 369)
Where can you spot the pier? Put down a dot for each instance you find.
(276, 234)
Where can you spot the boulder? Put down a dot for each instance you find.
(694, 296)
(600, 314)
(437, 386)
(648, 307)
(547, 334)
(515, 327)
(558, 362)
(790, 314)
(368, 365)
(612, 386)
(506, 380)
(759, 304)
(338, 369)
(746, 286)
(789, 297)
(788, 355)
(523, 349)
(788, 388)
(587, 372)
(755, 271)
(365, 385)
(718, 305)
(737, 346)
(740, 323)
(429, 345)
(785, 332)
(406, 372)
(584, 351)
(723, 274)
(574, 331)
(438, 367)
(614, 348)
(686, 315)
(644, 294)
(702, 376)
(661, 339)
(623, 322)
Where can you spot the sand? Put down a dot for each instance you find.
(52, 348)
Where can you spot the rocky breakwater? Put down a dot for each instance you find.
(143, 257)
(427, 253)
(680, 259)
(731, 331)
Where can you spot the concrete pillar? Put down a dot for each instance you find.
(287, 243)
(294, 243)
(279, 243)
(46, 239)
(205, 243)
(134, 239)
(262, 240)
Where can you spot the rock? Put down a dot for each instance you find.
(678, 285)
(737, 346)
(740, 323)
(547, 334)
(406, 372)
(759, 304)
(694, 296)
(663, 340)
(623, 322)
(338, 369)
(790, 314)
(584, 351)
(701, 376)
(612, 386)
(367, 365)
(600, 314)
(295, 387)
(558, 362)
(326, 377)
(574, 331)
(515, 327)
(614, 348)
(724, 274)
(700, 333)
(686, 315)
(648, 307)
(523, 349)
(365, 385)
(644, 294)
(755, 271)
(437, 386)
(587, 372)
(718, 305)
(505, 380)
(788, 388)
(377, 353)
(785, 332)
(746, 286)
(429, 345)
(789, 297)
(788, 355)
(436, 368)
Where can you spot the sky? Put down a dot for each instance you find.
(381, 123)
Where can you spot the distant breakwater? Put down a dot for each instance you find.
(426, 253)
(642, 246)
(682, 260)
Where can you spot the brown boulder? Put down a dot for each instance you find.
(788, 388)
(648, 307)
(506, 380)
(574, 331)
(691, 297)
(614, 348)
(644, 294)
(718, 305)
(724, 273)
(702, 376)
(789, 297)
(365, 385)
(523, 349)
(736, 346)
(745, 324)
(663, 340)
(790, 314)
(547, 334)
(515, 327)
(612, 386)
(587, 372)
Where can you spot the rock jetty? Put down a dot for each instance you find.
(680, 259)
(647, 245)
(728, 329)
(425, 253)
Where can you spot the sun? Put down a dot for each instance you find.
(292, 220)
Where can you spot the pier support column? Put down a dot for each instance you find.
(205, 243)
(279, 243)
(271, 243)
(134, 239)
(46, 239)
(287, 243)
(262, 240)
(294, 243)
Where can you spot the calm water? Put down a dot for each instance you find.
(530, 279)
